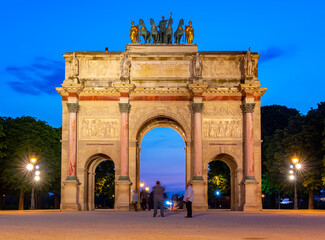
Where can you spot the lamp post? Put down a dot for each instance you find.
(293, 176)
(34, 170)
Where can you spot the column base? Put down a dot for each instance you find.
(122, 202)
(199, 202)
(70, 192)
(251, 201)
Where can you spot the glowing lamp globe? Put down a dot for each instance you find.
(295, 160)
(30, 167)
(33, 160)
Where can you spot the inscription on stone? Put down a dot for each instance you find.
(160, 69)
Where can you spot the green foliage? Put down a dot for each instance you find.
(302, 137)
(105, 180)
(218, 178)
(25, 137)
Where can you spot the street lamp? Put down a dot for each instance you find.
(293, 176)
(31, 167)
(217, 193)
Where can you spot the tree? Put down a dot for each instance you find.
(218, 179)
(25, 137)
(105, 180)
(273, 118)
(302, 138)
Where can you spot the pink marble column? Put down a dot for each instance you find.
(197, 109)
(124, 141)
(248, 109)
(72, 139)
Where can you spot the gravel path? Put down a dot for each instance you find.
(101, 224)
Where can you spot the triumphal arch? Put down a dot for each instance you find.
(111, 99)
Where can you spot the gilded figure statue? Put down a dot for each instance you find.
(134, 33)
(189, 33)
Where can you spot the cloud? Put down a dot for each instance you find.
(274, 52)
(40, 77)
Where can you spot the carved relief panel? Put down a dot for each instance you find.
(222, 121)
(99, 122)
(221, 69)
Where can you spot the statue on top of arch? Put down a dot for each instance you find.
(163, 32)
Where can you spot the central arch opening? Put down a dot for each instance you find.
(162, 158)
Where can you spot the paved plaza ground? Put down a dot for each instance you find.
(109, 224)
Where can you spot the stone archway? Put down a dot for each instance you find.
(144, 128)
(231, 162)
(89, 186)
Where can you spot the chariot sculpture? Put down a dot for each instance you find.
(162, 33)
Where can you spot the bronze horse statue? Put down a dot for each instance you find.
(169, 31)
(179, 33)
(154, 31)
(144, 32)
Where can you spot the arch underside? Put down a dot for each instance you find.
(231, 163)
(89, 179)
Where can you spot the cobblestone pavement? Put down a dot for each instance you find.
(109, 224)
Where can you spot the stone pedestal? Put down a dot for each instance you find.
(199, 201)
(70, 196)
(251, 201)
(122, 202)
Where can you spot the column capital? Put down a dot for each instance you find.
(73, 107)
(124, 107)
(197, 107)
(248, 107)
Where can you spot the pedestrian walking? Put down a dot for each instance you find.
(135, 200)
(188, 199)
(158, 199)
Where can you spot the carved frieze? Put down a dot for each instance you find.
(99, 111)
(93, 128)
(221, 128)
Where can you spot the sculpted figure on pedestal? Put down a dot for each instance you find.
(125, 68)
(134, 33)
(74, 66)
(162, 29)
(189, 33)
(248, 64)
(197, 66)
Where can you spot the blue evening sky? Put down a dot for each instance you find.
(289, 35)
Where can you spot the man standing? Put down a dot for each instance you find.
(135, 200)
(188, 198)
(158, 199)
